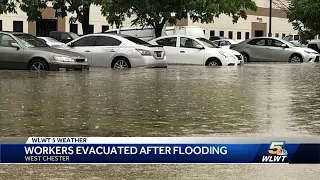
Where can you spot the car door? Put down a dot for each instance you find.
(170, 46)
(10, 57)
(276, 53)
(189, 53)
(105, 49)
(84, 46)
(256, 50)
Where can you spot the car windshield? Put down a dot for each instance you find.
(74, 35)
(31, 41)
(137, 41)
(208, 43)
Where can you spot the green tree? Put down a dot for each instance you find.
(304, 16)
(7, 6)
(156, 13)
(81, 9)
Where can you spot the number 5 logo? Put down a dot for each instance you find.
(275, 147)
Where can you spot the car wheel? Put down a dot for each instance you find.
(38, 65)
(246, 58)
(296, 59)
(121, 63)
(213, 62)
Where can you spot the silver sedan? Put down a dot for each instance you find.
(269, 49)
(25, 51)
(117, 51)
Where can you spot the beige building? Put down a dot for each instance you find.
(255, 25)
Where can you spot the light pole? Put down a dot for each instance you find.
(270, 18)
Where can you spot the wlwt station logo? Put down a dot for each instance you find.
(276, 153)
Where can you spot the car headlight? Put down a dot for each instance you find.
(310, 52)
(86, 59)
(226, 55)
(144, 52)
(63, 58)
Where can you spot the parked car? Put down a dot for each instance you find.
(148, 33)
(213, 38)
(182, 49)
(263, 49)
(117, 51)
(225, 43)
(51, 42)
(63, 37)
(25, 51)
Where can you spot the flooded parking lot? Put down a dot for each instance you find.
(254, 100)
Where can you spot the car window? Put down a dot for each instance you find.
(225, 43)
(86, 41)
(257, 42)
(207, 43)
(106, 41)
(168, 42)
(73, 35)
(296, 37)
(137, 40)
(274, 43)
(278, 43)
(216, 43)
(188, 43)
(213, 38)
(55, 35)
(65, 36)
(6, 40)
(31, 41)
(288, 38)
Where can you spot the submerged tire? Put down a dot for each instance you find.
(38, 65)
(121, 63)
(213, 62)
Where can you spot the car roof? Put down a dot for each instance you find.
(168, 36)
(121, 35)
(265, 37)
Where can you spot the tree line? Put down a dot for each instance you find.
(153, 13)
(303, 14)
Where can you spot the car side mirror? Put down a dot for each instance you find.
(284, 46)
(15, 45)
(199, 46)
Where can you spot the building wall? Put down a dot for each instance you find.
(97, 20)
(7, 20)
(280, 24)
(224, 23)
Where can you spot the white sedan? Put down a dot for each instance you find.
(117, 51)
(182, 49)
(225, 43)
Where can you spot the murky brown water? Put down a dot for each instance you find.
(255, 100)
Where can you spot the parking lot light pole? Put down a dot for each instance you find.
(270, 19)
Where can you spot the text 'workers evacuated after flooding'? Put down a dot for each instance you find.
(126, 150)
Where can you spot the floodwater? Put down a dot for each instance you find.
(254, 100)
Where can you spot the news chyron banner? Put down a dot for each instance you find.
(159, 150)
